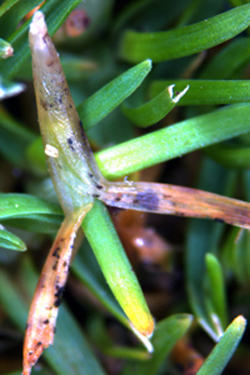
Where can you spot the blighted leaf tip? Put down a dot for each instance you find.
(241, 320)
(144, 339)
(38, 25)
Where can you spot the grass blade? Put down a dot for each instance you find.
(161, 46)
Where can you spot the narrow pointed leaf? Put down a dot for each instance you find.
(57, 12)
(207, 92)
(160, 46)
(166, 334)
(204, 236)
(7, 4)
(116, 268)
(30, 213)
(99, 105)
(234, 56)
(10, 241)
(5, 49)
(13, 15)
(174, 141)
(223, 351)
(154, 110)
(230, 155)
(217, 292)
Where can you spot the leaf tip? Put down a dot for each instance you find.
(144, 339)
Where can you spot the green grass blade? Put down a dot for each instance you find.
(100, 232)
(5, 49)
(234, 56)
(216, 290)
(156, 109)
(10, 241)
(56, 12)
(99, 105)
(207, 92)
(166, 334)
(223, 351)
(103, 295)
(12, 15)
(204, 236)
(161, 46)
(21, 205)
(230, 155)
(30, 213)
(174, 141)
(6, 5)
(14, 138)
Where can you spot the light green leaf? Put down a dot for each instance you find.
(101, 234)
(174, 141)
(223, 351)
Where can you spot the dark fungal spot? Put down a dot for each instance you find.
(55, 265)
(44, 104)
(147, 200)
(91, 175)
(65, 264)
(39, 343)
(59, 292)
(50, 63)
(117, 199)
(46, 321)
(70, 142)
(55, 253)
(57, 302)
(31, 352)
(96, 195)
(100, 187)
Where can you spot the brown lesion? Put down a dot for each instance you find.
(48, 296)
